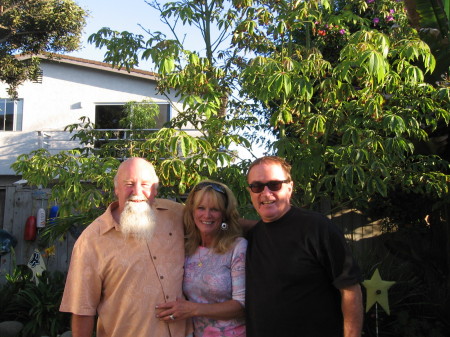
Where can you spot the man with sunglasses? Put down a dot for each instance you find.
(301, 279)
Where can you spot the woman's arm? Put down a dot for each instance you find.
(182, 309)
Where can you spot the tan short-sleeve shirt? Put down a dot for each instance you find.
(121, 280)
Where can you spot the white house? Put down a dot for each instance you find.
(68, 89)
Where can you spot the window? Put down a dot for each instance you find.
(11, 114)
(107, 116)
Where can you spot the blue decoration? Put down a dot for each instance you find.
(53, 214)
(6, 242)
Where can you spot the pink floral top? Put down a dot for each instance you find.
(213, 278)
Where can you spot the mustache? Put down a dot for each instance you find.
(136, 198)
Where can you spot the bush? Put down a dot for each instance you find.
(35, 304)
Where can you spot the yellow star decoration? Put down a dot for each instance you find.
(377, 291)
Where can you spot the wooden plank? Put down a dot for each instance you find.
(6, 261)
(65, 254)
(22, 210)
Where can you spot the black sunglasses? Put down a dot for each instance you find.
(273, 185)
(214, 186)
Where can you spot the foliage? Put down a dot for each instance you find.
(37, 306)
(355, 98)
(432, 22)
(16, 281)
(87, 180)
(413, 256)
(30, 27)
(341, 85)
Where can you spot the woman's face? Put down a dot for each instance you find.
(207, 216)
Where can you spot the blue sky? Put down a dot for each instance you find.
(119, 15)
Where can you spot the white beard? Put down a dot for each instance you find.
(138, 220)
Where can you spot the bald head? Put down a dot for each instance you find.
(136, 178)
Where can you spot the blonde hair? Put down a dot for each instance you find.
(225, 202)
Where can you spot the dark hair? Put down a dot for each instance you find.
(272, 159)
(225, 201)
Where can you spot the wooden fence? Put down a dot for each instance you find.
(20, 203)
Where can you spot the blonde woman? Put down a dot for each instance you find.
(214, 269)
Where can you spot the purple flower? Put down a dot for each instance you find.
(389, 18)
(370, 1)
(342, 31)
(376, 21)
(391, 11)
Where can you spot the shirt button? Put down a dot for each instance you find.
(161, 277)
(154, 257)
(167, 296)
(170, 234)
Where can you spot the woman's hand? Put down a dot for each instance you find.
(182, 309)
(172, 311)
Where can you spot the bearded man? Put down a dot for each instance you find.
(128, 260)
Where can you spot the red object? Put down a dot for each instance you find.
(30, 229)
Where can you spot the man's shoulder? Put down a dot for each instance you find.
(100, 225)
(308, 213)
(168, 204)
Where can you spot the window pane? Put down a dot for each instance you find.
(164, 115)
(10, 115)
(108, 116)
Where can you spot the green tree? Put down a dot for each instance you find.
(30, 27)
(339, 84)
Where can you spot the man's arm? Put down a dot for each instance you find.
(82, 326)
(352, 310)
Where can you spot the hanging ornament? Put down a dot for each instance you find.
(40, 218)
(30, 231)
(53, 214)
(36, 264)
(377, 291)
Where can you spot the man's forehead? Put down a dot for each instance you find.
(267, 168)
(149, 178)
(133, 179)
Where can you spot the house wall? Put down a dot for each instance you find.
(67, 92)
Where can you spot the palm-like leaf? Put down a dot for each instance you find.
(429, 17)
